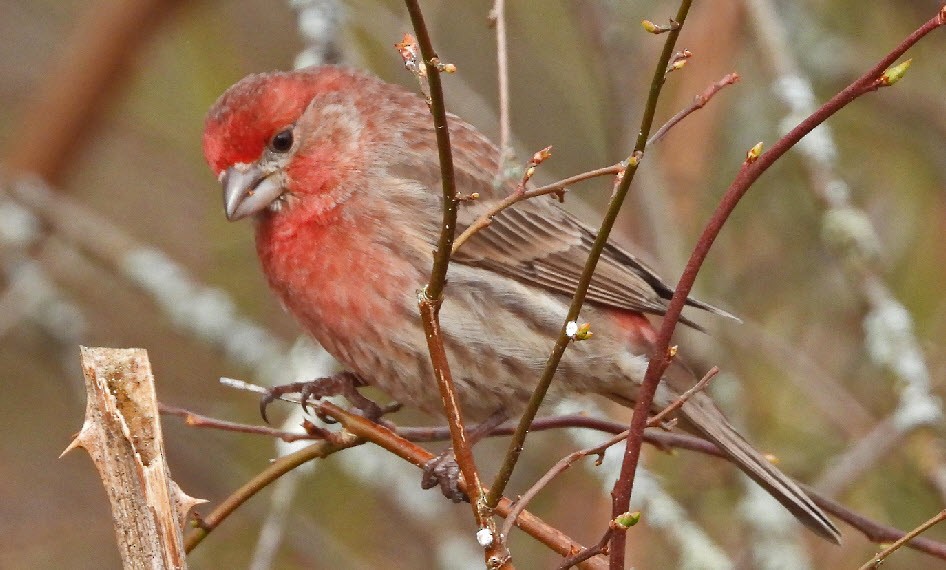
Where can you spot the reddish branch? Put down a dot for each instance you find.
(431, 297)
(657, 437)
(748, 174)
(698, 103)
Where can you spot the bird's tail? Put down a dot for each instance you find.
(702, 414)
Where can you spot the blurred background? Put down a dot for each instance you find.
(113, 235)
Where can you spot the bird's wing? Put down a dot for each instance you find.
(546, 246)
(536, 241)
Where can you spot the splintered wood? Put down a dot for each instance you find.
(122, 434)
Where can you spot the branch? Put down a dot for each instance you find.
(122, 434)
(431, 297)
(601, 239)
(520, 194)
(698, 103)
(659, 438)
(876, 561)
(748, 174)
(276, 469)
(497, 17)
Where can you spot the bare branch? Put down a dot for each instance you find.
(754, 166)
(876, 561)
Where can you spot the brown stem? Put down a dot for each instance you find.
(876, 561)
(275, 470)
(431, 297)
(601, 239)
(698, 103)
(748, 174)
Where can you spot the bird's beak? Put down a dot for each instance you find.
(248, 189)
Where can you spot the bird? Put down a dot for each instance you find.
(339, 172)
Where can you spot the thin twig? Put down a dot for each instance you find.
(497, 17)
(276, 469)
(601, 239)
(661, 439)
(516, 197)
(194, 419)
(698, 103)
(748, 174)
(876, 561)
(601, 547)
(656, 420)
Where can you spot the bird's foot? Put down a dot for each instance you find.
(443, 471)
(344, 384)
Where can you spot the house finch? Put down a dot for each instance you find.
(339, 172)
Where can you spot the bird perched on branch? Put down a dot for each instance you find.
(339, 172)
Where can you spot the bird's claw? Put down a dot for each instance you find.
(443, 471)
(341, 384)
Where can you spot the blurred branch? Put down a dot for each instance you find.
(30, 292)
(207, 313)
(822, 389)
(319, 23)
(93, 66)
(497, 17)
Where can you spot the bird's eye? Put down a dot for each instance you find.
(281, 141)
